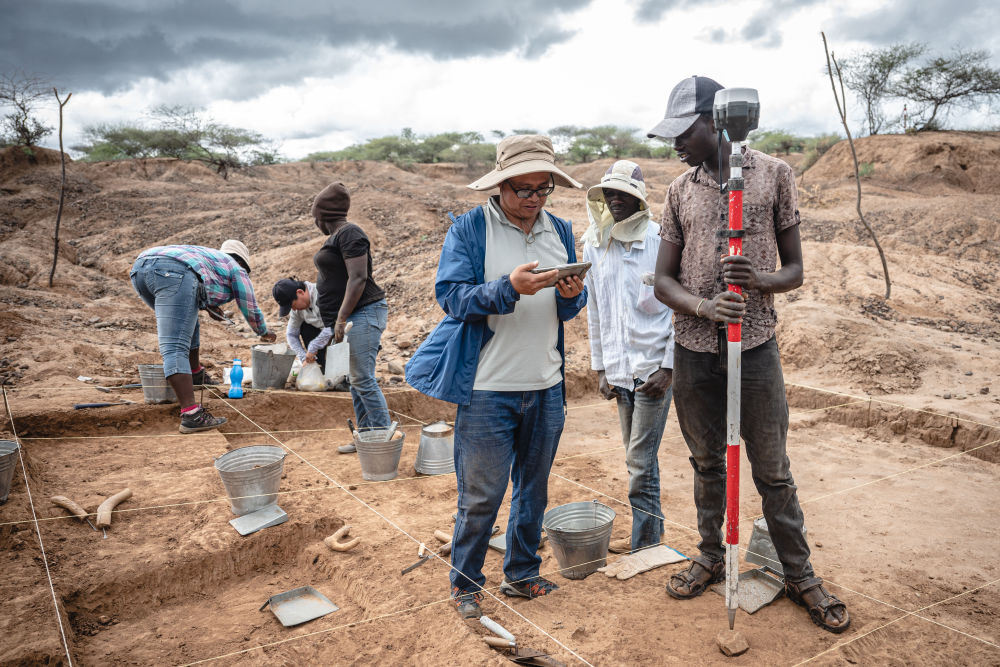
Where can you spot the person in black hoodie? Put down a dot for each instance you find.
(348, 293)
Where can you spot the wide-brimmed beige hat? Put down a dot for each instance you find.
(234, 247)
(521, 154)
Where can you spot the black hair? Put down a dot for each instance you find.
(239, 260)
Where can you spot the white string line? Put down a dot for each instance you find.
(901, 472)
(911, 613)
(196, 435)
(948, 627)
(415, 540)
(869, 399)
(341, 395)
(572, 481)
(402, 479)
(318, 632)
(38, 529)
(398, 612)
(293, 491)
(745, 550)
(337, 395)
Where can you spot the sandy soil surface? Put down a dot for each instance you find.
(893, 440)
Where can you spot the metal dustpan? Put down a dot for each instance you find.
(762, 586)
(499, 542)
(758, 588)
(299, 605)
(272, 515)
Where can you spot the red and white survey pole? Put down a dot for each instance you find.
(736, 111)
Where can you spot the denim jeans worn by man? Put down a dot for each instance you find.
(632, 350)
(498, 354)
(692, 273)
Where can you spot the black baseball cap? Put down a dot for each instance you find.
(688, 100)
(284, 292)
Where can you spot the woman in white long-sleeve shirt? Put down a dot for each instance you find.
(305, 333)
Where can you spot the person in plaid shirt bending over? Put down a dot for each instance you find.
(177, 281)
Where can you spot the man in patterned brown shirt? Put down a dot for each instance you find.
(692, 272)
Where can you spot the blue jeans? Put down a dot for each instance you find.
(700, 380)
(365, 340)
(503, 434)
(170, 288)
(642, 421)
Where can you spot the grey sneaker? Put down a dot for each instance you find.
(466, 603)
(347, 449)
(200, 420)
(531, 588)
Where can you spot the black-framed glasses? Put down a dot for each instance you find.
(525, 193)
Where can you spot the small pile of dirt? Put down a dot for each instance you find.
(932, 163)
(17, 159)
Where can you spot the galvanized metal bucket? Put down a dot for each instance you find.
(580, 535)
(154, 385)
(8, 463)
(271, 366)
(436, 454)
(252, 476)
(761, 551)
(379, 453)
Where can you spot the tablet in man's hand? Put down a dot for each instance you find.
(577, 269)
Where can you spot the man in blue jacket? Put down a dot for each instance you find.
(499, 355)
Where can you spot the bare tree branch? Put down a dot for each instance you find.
(62, 185)
(842, 111)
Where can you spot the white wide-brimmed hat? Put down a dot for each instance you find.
(625, 176)
(521, 154)
(234, 247)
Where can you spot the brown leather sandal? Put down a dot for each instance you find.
(699, 575)
(820, 611)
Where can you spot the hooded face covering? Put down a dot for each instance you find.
(331, 206)
(625, 176)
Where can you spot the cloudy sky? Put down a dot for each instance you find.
(316, 75)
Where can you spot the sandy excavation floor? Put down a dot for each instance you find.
(904, 531)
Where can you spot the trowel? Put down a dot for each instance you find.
(83, 406)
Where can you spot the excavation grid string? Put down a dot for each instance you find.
(38, 529)
(916, 613)
(261, 430)
(320, 489)
(409, 390)
(398, 528)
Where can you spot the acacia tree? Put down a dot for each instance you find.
(872, 75)
(181, 132)
(965, 80)
(20, 95)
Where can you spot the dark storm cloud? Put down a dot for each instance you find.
(942, 25)
(106, 45)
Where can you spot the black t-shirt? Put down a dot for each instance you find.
(331, 282)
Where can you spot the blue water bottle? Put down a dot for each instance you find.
(236, 379)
